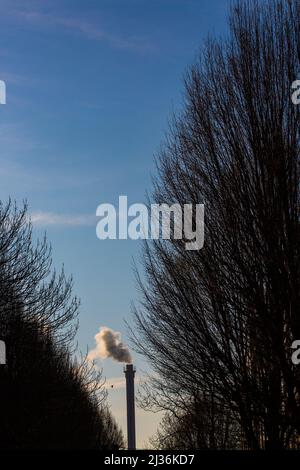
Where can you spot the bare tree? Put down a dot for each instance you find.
(222, 320)
(27, 281)
(48, 399)
(204, 425)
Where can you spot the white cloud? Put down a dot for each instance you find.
(109, 344)
(50, 219)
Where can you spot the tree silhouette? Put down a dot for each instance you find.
(221, 321)
(203, 425)
(47, 399)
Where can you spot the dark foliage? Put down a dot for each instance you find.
(47, 399)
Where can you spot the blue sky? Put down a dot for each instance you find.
(90, 87)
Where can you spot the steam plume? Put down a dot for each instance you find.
(108, 344)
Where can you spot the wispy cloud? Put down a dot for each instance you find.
(17, 79)
(15, 138)
(88, 29)
(45, 219)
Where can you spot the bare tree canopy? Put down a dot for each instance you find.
(220, 322)
(28, 283)
(48, 400)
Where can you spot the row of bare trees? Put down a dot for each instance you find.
(48, 399)
(217, 324)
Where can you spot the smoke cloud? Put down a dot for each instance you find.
(108, 344)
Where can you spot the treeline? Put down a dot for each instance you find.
(217, 324)
(48, 399)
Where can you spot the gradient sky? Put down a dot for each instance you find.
(90, 87)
